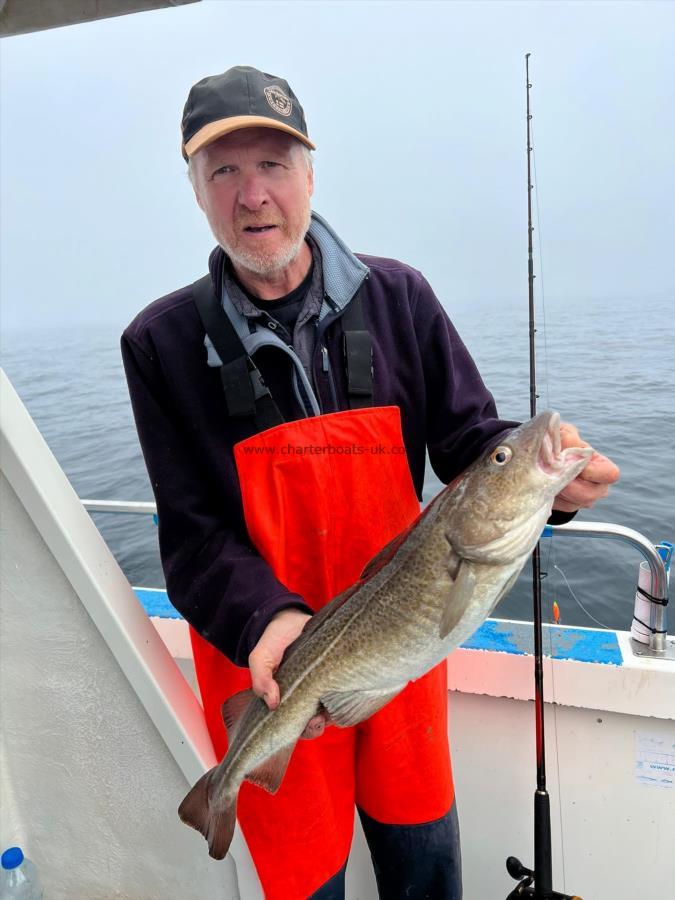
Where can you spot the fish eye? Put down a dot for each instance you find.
(501, 455)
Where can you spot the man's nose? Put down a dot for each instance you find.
(252, 193)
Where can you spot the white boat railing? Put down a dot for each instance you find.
(659, 647)
(120, 506)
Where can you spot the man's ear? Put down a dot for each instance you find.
(310, 180)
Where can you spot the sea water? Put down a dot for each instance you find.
(608, 366)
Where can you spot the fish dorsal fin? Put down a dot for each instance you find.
(386, 554)
(378, 562)
(270, 773)
(351, 707)
(233, 709)
(318, 619)
(458, 598)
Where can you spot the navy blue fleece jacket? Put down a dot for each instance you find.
(214, 575)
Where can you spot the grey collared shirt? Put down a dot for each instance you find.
(304, 330)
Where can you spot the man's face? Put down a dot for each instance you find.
(255, 185)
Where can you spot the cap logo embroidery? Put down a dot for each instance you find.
(279, 102)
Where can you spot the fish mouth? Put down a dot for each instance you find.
(555, 462)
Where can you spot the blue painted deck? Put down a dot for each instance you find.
(156, 603)
(580, 644)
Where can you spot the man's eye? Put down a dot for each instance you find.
(223, 170)
(268, 164)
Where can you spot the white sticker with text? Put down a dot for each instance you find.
(655, 759)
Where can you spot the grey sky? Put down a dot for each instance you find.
(417, 110)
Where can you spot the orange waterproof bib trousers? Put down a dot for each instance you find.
(321, 497)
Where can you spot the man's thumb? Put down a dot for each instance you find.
(271, 694)
(266, 687)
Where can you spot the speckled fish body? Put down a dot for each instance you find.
(421, 597)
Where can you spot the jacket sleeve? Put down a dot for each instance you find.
(215, 577)
(461, 415)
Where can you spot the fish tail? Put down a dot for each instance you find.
(217, 827)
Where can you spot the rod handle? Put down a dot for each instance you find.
(543, 875)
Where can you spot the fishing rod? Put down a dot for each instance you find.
(537, 882)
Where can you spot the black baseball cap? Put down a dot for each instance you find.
(242, 97)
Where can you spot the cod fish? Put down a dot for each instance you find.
(424, 594)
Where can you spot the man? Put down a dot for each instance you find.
(264, 516)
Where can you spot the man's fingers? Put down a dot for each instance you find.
(570, 437)
(580, 494)
(592, 483)
(262, 678)
(601, 470)
(271, 695)
(266, 656)
(266, 687)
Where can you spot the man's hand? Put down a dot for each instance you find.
(266, 656)
(593, 482)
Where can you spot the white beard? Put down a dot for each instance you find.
(266, 264)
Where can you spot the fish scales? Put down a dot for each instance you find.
(420, 598)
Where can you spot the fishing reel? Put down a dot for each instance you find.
(526, 887)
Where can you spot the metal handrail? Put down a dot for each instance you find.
(121, 506)
(659, 577)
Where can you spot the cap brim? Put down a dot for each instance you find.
(215, 130)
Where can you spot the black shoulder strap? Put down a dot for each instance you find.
(245, 391)
(358, 349)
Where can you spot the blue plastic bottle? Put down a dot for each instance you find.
(19, 879)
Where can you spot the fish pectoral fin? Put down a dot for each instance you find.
(386, 554)
(233, 709)
(270, 773)
(351, 707)
(458, 598)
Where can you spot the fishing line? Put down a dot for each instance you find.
(569, 588)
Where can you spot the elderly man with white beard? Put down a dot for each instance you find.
(285, 403)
